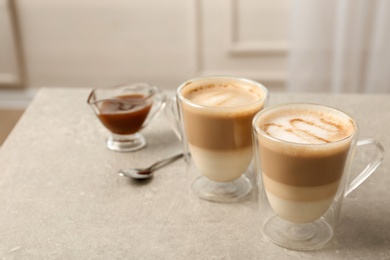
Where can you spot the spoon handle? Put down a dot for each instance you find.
(161, 163)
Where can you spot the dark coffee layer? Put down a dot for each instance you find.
(305, 168)
(218, 131)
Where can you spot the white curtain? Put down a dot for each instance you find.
(340, 46)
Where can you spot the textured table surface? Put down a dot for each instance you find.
(61, 198)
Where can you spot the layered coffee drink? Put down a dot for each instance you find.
(217, 116)
(303, 150)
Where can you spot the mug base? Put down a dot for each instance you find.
(126, 143)
(213, 191)
(301, 237)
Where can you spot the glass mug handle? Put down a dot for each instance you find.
(371, 166)
(172, 114)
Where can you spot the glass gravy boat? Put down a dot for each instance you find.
(125, 110)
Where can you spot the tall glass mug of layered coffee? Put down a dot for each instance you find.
(303, 155)
(214, 118)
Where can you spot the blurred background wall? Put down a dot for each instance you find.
(339, 46)
(94, 43)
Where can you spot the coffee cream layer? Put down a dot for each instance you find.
(302, 165)
(217, 117)
(299, 204)
(221, 166)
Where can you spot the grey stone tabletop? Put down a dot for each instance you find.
(61, 196)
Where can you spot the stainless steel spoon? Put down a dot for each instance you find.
(145, 173)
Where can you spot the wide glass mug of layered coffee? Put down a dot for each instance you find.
(215, 116)
(303, 156)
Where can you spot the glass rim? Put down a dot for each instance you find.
(257, 128)
(151, 88)
(250, 81)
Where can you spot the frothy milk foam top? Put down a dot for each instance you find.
(223, 94)
(307, 125)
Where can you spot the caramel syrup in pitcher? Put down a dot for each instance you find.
(124, 117)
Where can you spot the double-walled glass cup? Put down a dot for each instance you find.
(303, 156)
(213, 116)
(125, 110)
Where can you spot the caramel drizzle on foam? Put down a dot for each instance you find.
(303, 134)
